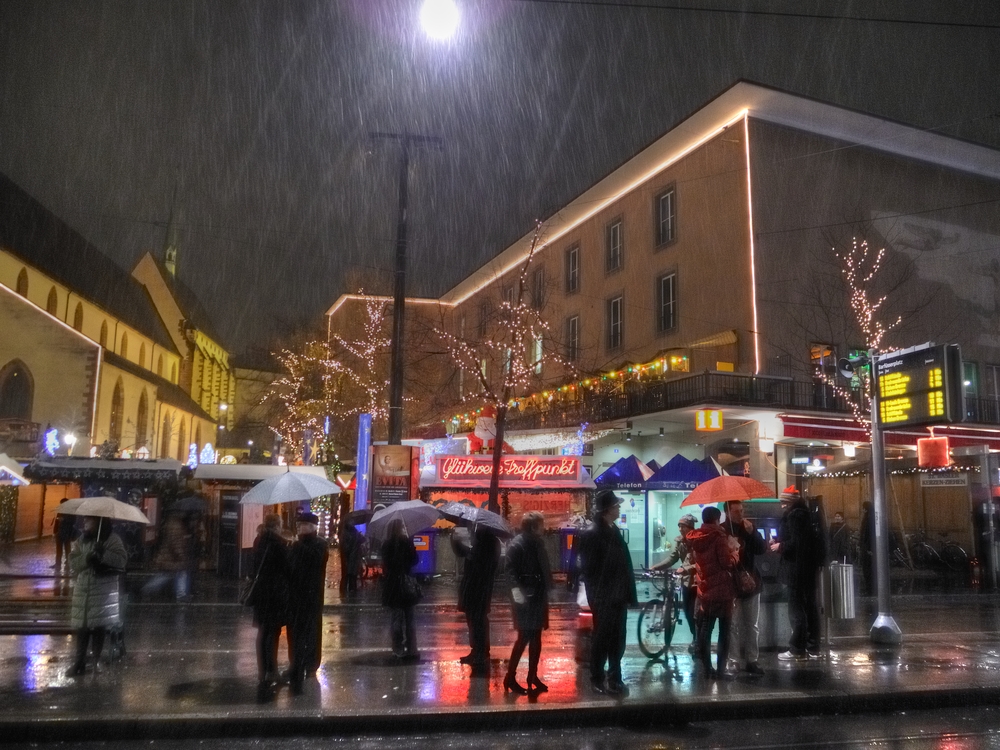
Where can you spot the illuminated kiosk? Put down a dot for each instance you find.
(556, 486)
(665, 490)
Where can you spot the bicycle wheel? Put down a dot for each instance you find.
(670, 619)
(955, 557)
(652, 628)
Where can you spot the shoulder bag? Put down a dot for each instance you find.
(248, 590)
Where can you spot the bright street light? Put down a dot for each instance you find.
(439, 18)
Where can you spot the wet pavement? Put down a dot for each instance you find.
(190, 669)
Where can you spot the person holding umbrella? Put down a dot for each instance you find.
(714, 560)
(475, 593)
(97, 559)
(745, 629)
(399, 588)
(270, 601)
(307, 560)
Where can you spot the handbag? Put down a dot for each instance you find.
(745, 583)
(410, 591)
(248, 589)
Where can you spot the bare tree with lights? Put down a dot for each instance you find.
(507, 356)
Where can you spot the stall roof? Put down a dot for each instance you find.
(249, 472)
(12, 468)
(680, 473)
(628, 473)
(72, 468)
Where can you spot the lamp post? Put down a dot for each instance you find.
(406, 141)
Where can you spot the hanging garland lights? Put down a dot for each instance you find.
(603, 382)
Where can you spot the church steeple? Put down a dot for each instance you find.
(171, 242)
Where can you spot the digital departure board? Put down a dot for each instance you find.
(921, 387)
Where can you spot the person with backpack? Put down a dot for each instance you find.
(802, 551)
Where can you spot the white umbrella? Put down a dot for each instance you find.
(290, 487)
(415, 514)
(102, 507)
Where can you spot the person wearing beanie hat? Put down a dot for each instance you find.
(307, 562)
(681, 553)
(610, 585)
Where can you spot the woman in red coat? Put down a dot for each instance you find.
(714, 561)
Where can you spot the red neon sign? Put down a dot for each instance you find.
(514, 470)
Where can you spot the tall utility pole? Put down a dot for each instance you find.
(406, 141)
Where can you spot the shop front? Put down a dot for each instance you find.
(556, 486)
(665, 490)
(627, 479)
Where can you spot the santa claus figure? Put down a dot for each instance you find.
(485, 432)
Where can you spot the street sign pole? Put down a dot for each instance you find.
(884, 631)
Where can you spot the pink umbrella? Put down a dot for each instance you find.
(726, 489)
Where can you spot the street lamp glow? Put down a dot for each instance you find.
(439, 18)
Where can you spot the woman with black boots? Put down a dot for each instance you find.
(528, 565)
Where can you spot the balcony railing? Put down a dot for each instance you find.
(713, 388)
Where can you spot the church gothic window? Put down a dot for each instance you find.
(124, 345)
(165, 435)
(141, 421)
(182, 449)
(104, 334)
(117, 413)
(52, 304)
(159, 365)
(142, 355)
(78, 317)
(16, 391)
(22, 283)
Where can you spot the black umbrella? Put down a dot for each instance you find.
(189, 503)
(362, 515)
(471, 516)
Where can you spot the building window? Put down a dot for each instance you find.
(992, 382)
(142, 354)
(538, 288)
(613, 246)
(173, 373)
(104, 335)
(484, 318)
(970, 379)
(159, 365)
(182, 449)
(573, 269)
(141, 421)
(666, 302)
(573, 338)
(483, 368)
(117, 413)
(508, 294)
(22, 283)
(16, 391)
(167, 428)
(666, 217)
(123, 349)
(536, 354)
(613, 322)
(52, 303)
(78, 317)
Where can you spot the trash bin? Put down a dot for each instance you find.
(842, 591)
(426, 557)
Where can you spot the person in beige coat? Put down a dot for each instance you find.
(96, 561)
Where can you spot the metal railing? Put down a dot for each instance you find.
(710, 388)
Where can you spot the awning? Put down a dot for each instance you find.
(831, 428)
(11, 469)
(722, 338)
(250, 472)
(73, 469)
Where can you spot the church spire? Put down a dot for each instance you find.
(172, 240)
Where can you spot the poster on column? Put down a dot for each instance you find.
(394, 472)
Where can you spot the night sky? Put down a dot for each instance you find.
(258, 111)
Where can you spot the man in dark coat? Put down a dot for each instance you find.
(841, 550)
(307, 561)
(350, 557)
(269, 601)
(475, 593)
(801, 557)
(610, 583)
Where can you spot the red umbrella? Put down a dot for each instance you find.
(727, 489)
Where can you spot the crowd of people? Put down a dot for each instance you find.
(716, 567)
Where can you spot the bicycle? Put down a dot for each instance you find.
(659, 617)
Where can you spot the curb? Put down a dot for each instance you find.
(525, 717)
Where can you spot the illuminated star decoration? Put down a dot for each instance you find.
(52, 441)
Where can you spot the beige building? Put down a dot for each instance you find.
(97, 354)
